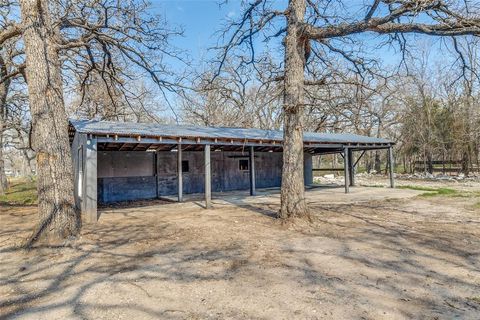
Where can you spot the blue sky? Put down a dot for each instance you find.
(200, 19)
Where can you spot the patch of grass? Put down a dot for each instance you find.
(432, 191)
(440, 192)
(20, 192)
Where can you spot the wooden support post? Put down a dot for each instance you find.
(179, 173)
(252, 171)
(346, 166)
(351, 169)
(390, 167)
(208, 178)
(307, 169)
(90, 185)
(155, 169)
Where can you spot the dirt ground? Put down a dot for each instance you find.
(376, 253)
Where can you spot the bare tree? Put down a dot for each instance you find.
(311, 28)
(437, 110)
(17, 125)
(58, 217)
(4, 86)
(88, 37)
(240, 97)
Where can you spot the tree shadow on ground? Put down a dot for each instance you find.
(132, 254)
(367, 258)
(428, 267)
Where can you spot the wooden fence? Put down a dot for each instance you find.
(444, 166)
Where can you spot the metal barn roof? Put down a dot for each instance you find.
(103, 128)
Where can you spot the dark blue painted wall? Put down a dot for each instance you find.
(131, 175)
(226, 173)
(115, 189)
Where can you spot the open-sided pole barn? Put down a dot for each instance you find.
(120, 161)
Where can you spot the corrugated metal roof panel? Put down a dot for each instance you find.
(163, 130)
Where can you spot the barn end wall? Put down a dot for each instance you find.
(84, 161)
(132, 175)
(77, 162)
(79, 159)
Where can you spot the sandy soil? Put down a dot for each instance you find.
(374, 254)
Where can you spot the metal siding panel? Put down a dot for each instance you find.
(115, 189)
(155, 129)
(125, 164)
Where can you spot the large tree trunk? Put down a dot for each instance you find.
(3, 176)
(3, 112)
(58, 216)
(293, 202)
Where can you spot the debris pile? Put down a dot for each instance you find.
(333, 179)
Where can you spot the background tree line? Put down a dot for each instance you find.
(431, 109)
